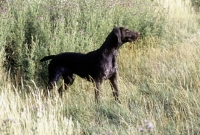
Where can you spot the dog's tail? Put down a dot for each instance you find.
(47, 58)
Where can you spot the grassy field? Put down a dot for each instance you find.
(159, 74)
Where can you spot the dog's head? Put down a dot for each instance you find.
(125, 35)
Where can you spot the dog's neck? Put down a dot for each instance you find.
(111, 50)
(110, 46)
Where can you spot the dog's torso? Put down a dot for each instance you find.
(93, 65)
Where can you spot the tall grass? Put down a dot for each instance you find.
(158, 74)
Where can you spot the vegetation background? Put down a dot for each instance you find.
(159, 75)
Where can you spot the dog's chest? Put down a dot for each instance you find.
(108, 68)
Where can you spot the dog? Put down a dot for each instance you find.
(95, 66)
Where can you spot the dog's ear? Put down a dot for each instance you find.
(117, 33)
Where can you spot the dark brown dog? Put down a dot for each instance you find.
(95, 66)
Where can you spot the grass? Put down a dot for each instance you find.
(158, 74)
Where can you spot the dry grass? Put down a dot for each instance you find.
(157, 84)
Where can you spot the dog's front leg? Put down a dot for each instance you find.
(97, 85)
(113, 81)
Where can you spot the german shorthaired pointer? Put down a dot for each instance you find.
(95, 66)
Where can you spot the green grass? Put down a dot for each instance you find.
(159, 75)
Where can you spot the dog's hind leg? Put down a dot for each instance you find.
(51, 84)
(68, 80)
(54, 74)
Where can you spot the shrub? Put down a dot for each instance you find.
(36, 29)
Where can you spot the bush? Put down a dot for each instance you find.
(36, 29)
